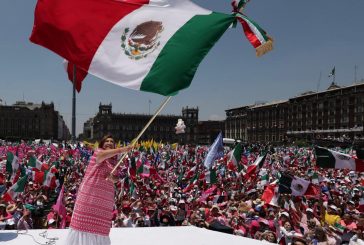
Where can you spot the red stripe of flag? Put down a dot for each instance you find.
(75, 29)
(359, 165)
(249, 33)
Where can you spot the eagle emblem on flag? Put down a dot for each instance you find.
(343, 157)
(298, 187)
(143, 40)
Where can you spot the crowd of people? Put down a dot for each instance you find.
(169, 185)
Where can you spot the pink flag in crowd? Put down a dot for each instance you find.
(60, 208)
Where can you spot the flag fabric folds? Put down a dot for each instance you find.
(211, 177)
(332, 73)
(360, 153)
(326, 158)
(270, 195)
(13, 191)
(216, 151)
(296, 186)
(255, 167)
(11, 163)
(35, 163)
(155, 47)
(80, 74)
(235, 155)
(253, 32)
(60, 208)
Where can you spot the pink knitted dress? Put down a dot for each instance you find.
(95, 199)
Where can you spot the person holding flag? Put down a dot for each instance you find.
(91, 219)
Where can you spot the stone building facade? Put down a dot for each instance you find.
(32, 121)
(125, 127)
(333, 113)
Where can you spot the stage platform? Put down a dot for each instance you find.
(188, 235)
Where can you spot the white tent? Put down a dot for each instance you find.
(187, 235)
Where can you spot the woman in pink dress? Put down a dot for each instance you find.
(91, 219)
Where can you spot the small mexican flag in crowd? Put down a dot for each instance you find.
(296, 186)
(13, 191)
(34, 162)
(11, 163)
(235, 157)
(271, 194)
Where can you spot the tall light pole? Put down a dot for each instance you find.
(74, 105)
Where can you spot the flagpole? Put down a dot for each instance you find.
(74, 105)
(142, 132)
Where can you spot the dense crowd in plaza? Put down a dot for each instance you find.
(169, 185)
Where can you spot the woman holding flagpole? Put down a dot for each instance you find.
(91, 219)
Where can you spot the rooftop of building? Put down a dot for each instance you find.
(271, 103)
(333, 86)
(28, 105)
(259, 105)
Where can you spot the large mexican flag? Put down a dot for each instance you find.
(326, 158)
(153, 46)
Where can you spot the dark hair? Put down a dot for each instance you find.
(103, 139)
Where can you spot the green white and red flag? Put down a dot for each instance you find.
(326, 158)
(254, 168)
(11, 163)
(210, 176)
(35, 163)
(207, 193)
(38, 177)
(50, 177)
(271, 195)
(153, 46)
(255, 34)
(235, 157)
(15, 189)
(148, 170)
(191, 172)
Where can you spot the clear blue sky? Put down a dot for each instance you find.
(310, 37)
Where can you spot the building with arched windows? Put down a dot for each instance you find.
(32, 121)
(337, 112)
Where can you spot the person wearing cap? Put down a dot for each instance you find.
(216, 215)
(330, 216)
(269, 236)
(25, 222)
(147, 216)
(348, 222)
(92, 214)
(126, 215)
(263, 226)
(322, 238)
(287, 232)
(138, 220)
(215, 211)
(358, 238)
(283, 217)
(181, 212)
(166, 219)
(52, 224)
(12, 221)
(351, 207)
(309, 220)
(3, 216)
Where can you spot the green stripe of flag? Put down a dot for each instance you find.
(324, 158)
(184, 52)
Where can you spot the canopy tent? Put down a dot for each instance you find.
(136, 236)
